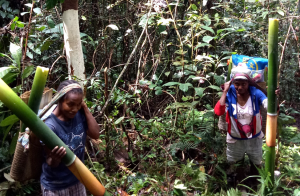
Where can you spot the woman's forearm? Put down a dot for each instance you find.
(93, 127)
(223, 98)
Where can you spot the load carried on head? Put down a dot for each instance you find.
(256, 65)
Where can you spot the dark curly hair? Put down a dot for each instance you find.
(66, 83)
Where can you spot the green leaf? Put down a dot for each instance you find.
(2, 14)
(15, 11)
(280, 12)
(171, 83)
(46, 46)
(10, 77)
(20, 24)
(208, 28)
(41, 28)
(226, 29)
(10, 16)
(119, 120)
(51, 23)
(15, 19)
(207, 39)
(13, 143)
(5, 5)
(214, 87)
(10, 120)
(199, 91)
(178, 192)
(194, 7)
(158, 92)
(5, 70)
(6, 132)
(51, 4)
(12, 26)
(201, 45)
(185, 86)
(241, 30)
(29, 54)
(158, 88)
(27, 71)
(37, 10)
(151, 86)
(16, 53)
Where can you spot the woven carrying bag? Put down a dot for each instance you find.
(28, 165)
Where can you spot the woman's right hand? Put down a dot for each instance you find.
(55, 156)
(227, 86)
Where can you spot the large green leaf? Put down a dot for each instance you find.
(208, 28)
(199, 91)
(207, 38)
(51, 4)
(10, 77)
(4, 71)
(10, 120)
(16, 53)
(27, 71)
(4, 55)
(13, 143)
(171, 83)
(201, 45)
(185, 86)
(158, 92)
(6, 132)
(214, 87)
(119, 120)
(46, 46)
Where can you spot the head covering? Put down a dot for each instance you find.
(55, 99)
(241, 73)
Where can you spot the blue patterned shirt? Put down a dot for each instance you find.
(73, 134)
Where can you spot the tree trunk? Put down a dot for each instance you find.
(72, 39)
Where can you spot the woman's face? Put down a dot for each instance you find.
(71, 105)
(241, 86)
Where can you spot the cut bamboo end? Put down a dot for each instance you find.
(271, 130)
(43, 69)
(86, 178)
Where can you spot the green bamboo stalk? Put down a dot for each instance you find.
(35, 124)
(272, 64)
(270, 161)
(272, 85)
(50, 139)
(37, 90)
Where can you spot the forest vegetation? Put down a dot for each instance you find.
(153, 71)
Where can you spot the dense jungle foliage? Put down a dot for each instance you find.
(159, 134)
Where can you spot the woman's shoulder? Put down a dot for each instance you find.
(50, 122)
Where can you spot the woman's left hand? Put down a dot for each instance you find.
(83, 105)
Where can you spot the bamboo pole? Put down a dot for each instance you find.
(36, 94)
(50, 139)
(272, 85)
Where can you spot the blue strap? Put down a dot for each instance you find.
(246, 138)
